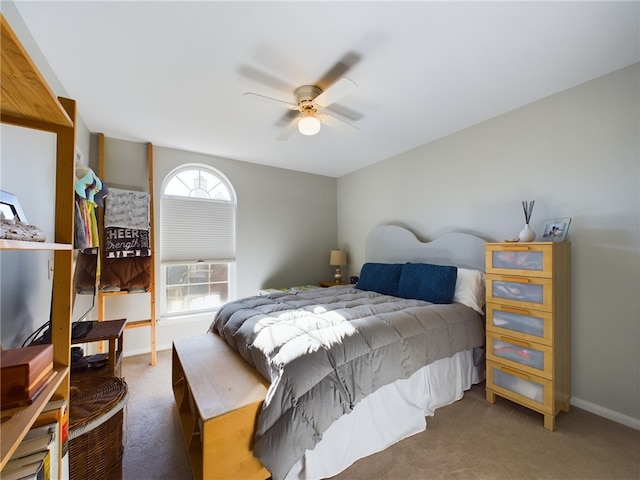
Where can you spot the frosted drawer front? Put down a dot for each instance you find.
(532, 325)
(515, 260)
(517, 322)
(528, 260)
(529, 389)
(529, 357)
(526, 293)
(522, 292)
(517, 354)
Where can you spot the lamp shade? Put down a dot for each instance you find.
(338, 257)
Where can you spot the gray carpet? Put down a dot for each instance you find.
(469, 439)
(153, 444)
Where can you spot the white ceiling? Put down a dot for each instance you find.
(173, 73)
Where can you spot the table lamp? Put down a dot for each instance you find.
(338, 258)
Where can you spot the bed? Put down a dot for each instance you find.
(355, 369)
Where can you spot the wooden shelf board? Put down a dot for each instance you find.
(25, 94)
(23, 245)
(15, 426)
(138, 323)
(104, 370)
(120, 292)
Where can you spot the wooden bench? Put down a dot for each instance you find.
(219, 396)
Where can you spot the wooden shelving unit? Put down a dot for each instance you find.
(27, 101)
(103, 296)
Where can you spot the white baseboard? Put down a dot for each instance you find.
(144, 351)
(606, 413)
(137, 340)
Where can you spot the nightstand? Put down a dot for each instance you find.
(332, 283)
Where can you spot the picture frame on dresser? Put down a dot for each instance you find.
(556, 229)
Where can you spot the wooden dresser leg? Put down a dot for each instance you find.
(550, 422)
(491, 397)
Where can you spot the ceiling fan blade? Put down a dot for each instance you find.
(289, 105)
(343, 112)
(338, 70)
(337, 124)
(335, 92)
(288, 130)
(286, 118)
(264, 78)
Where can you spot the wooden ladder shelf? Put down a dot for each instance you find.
(102, 296)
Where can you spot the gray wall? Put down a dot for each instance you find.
(576, 153)
(286, 227)
(26, 168)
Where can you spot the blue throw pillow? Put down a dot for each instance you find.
(380, 277)
(424, 281)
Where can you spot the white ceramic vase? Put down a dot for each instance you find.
(527, 234)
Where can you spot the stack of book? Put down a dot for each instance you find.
(42, 453)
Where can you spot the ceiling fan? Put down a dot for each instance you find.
(310, 102)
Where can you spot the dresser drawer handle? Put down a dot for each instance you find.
(515, 279)
(515, 373)
(516, 248)
(521, 343)
(521, 311)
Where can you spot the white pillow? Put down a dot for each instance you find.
(470, 289)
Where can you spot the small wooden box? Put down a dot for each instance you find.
(24, 372)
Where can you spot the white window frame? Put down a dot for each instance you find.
(203, 257)
(231, 291)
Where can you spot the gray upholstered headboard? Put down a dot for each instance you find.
(395, 244)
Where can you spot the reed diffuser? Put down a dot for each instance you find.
(527, 234)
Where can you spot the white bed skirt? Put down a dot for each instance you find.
(372, 426)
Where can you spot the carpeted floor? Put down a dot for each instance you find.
(153, 444)
(467, 440)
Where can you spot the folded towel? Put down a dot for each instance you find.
(127, 209)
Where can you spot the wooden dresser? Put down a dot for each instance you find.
(529, 325)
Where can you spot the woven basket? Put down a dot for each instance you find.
(95, 427)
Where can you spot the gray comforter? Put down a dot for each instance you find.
(324, 350)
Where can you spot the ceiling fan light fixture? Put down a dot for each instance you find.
(309, 125)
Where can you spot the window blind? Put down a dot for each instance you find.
(195, 230)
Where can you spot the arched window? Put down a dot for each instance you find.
(197, 183)
(197, 240)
